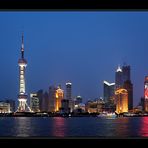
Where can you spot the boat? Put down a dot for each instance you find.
(107, 115)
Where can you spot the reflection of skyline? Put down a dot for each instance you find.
(59, 127)
(144, 127)
(22, 126)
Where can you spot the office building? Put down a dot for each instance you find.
(4, 107)
(12, 104)
(65, 106)
(59, 98)
(118, 78)
(45, 102)
(121, 100)
(78, 100)
(52, 98)
(126, 73)
(69, 95)
(34, 102)
(109, 89)
(129, 87)
(40, 95)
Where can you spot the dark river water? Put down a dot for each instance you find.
(73, 127)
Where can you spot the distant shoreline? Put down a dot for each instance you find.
(65, 115)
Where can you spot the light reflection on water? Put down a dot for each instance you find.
(59, 127)
(22, 126)
(73, 127)
(144, 127)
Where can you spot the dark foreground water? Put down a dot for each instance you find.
(73, 127)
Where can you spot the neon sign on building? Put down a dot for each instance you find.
(146, 88)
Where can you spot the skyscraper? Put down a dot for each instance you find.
(40, 95)
(123, 80)
(146, 94)
(69, 95)
(126, 73)
(45, 102)
(34, 102)
(68, 91)
(22, 97)
(52, 98)
(109, 89)
(129, 87)
(121, 100)
(59, 98)
(118, 78)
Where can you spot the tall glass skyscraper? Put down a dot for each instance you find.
(118, 78)
(126, 73)
(109, 89)
(123, 80)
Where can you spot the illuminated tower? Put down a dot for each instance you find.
(146, 94)
(22, 97)
(121, 100)
(59, 98)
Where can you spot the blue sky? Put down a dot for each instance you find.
(82, 47)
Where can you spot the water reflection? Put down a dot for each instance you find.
(118, 127)
(59, 127)
(122, 127)
(22, 126)
(144, 127)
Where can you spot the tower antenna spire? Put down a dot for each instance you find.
(22, 48)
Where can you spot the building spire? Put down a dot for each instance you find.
(22, 48)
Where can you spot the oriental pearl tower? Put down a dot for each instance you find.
(22, 97)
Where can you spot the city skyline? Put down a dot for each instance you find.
(84, 48)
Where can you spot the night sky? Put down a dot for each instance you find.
(84, 48)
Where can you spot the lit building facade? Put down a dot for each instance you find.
(4, 107)
(121, 100)
(12, 104)
(34, 102)
(146, 94)
(96, 106)
(59, 98)
(22, 97)
(109, 89)
(129, 87)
